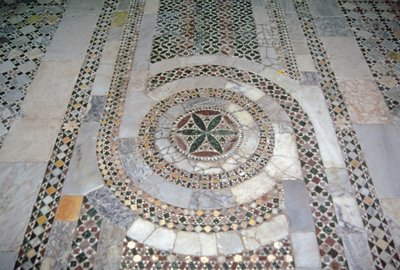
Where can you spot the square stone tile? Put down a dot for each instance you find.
(69, 207)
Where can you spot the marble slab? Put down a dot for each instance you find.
(48, 95)
(7, 260)
(324, 8)
(109, 250)
(72, 37)
(108, 206)
(30, 140)
(333, 27)
(298, 209)
(364, 101)
(381, 147)
(357, 250)
(59, 245)
(20, 183)
(83, 174)
(305, 250)
(348, 63)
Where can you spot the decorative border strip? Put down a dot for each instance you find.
(43, 213)
(284, 48)
(389, 58)
(274, 256)
(86, 238)
(379, 238)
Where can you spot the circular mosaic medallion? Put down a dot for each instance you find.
(231, 142)
(206, 134)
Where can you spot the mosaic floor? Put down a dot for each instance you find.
(217, 134)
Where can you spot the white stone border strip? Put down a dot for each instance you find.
(209, 244)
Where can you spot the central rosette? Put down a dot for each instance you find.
(206, 134)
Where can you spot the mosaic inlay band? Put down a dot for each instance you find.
(206, 134)
(43, 213)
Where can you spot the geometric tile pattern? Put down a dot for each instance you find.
(331, 246)
(249, 168)
(375, 25)
(138, 256)
(280, 32)
(26, 30)
(85, 239)
(225, 219)
(210, 133)
(379, 238)
(196, 27)
(39, 227)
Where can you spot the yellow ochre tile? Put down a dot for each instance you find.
(69, 207)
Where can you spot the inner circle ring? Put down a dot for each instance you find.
(254, 163)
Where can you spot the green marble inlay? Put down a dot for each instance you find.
(206, 133)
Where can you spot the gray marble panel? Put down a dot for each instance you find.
(142, 54)
(72, 37)
(133, 162)
(137, 105)
(305, 250)
(298, 206)
(59, 245)
(48, 95)
(309, 78)
(83, 174)
(212, 199)
(287, 6)
(20, 183)
(109, 250)
(333, 27)
(95, 109)
(124, 4)
(229, 243)
(7, 260)
(111, 208)
(324, 8)
(339, 183)
(348, 63)
(381, 146)
(84, 7)
(30, 140)
(357, 251)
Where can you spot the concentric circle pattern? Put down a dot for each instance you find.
(238, 139)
